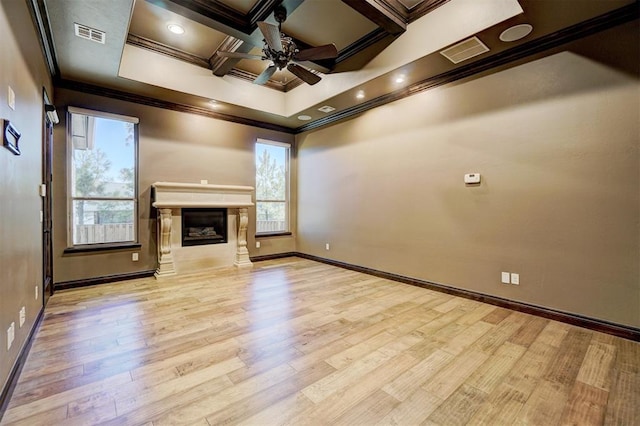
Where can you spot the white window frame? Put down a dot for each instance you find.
(287, 176)
(70, 198)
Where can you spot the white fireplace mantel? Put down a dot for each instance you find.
(168, 195)
(178, 195)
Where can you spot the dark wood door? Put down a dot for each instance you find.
(47, 223)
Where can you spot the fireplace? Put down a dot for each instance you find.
(204, 226)
(169, 196)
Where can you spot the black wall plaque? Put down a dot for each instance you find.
(10, 137)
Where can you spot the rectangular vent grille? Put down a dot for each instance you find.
(326, 108)
(89, 33)
(464, 50)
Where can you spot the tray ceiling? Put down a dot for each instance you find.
(378, 41)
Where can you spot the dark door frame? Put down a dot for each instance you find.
(47, 222)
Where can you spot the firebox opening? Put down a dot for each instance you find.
(204, 226)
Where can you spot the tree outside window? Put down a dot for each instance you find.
(272, 187)
(102, 180)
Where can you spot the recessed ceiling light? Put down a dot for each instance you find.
(400, 78)
(360, 94)
(516, 32)
(304, 117)
(175, 28)
(213, 103)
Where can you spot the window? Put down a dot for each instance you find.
(272, 187)
(103, 188)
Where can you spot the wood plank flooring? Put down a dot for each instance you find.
(297, 342)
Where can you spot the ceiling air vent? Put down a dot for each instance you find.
(326, 108)
(464, 50)
(89, 33)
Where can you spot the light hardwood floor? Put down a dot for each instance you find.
(293, 341)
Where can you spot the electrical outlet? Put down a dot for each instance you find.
(326, 246)
(257, 244)
(11, 334)
(23, 316)
(515, 279)
(36, 292)
(505, 278)
(134, 257)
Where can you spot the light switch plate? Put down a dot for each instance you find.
(505, 278)
(11, 98)
(11, 334)
(515, 279)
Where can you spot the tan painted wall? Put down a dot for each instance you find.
(173, 146)
(557, 144)
(21, 67)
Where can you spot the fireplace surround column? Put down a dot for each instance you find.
(242, 254)
(168, 195)
(165, 258)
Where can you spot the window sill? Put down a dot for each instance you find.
(102, 247)
(273, 234)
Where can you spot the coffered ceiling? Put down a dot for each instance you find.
(387, 49)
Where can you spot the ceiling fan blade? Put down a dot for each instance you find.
(237, 55)
(265, 75)
(327, 51)
(271, 35)
(304, 74)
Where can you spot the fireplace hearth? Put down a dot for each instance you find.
(204, 226)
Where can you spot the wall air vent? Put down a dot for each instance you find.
(464, 50)
(89, 33)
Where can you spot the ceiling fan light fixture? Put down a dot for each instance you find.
(175, 28)
(283, 53)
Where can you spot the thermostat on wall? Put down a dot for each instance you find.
(472, 178)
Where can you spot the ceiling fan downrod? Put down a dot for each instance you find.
(280, 13)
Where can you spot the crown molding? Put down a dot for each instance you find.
(40, 17)
(221, 65)
(159, 103)
(180, 55)
(164, 49)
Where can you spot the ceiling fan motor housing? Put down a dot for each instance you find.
(281, 58)
(283, 52)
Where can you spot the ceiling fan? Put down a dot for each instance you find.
(283, 52)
